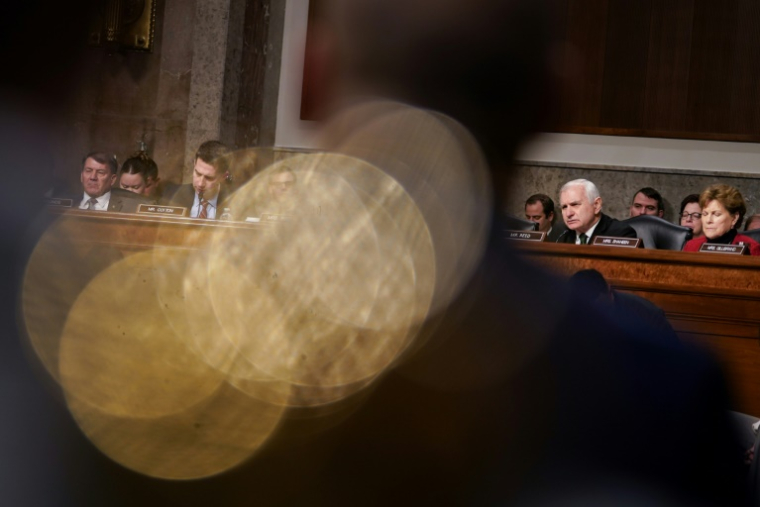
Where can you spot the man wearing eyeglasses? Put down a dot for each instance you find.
(281, 191)
(281, 185)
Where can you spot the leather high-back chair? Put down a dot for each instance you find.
(513, 223)
(754, 234)
(658, 233)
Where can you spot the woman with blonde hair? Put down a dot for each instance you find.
(723, 209)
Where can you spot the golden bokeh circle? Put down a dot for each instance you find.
(59, 268)
(330, 298)
(221, 431)
(119, 352)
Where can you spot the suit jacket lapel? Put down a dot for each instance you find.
(114, 204)
(568, 236)
(188, 198)
(601, 227)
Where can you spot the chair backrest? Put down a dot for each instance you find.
(513, 223)
(658, 233)
(754, 234)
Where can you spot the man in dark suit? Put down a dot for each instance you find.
(539, 208)
(206, 194)
(98, 177)
(581, 207)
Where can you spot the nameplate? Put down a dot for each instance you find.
(724, 249)
(59, 203)
(525, 235)
(617, 242)
(154, 209)
(272, 217)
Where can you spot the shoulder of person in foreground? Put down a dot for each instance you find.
(643, 312)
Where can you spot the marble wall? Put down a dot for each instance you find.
(214, 73)
(617, 185)
(187, 90)
(126, 97)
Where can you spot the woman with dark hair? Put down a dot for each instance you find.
(691, 214)
(139, 174)
(723, 209)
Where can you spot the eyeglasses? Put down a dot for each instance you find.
(693, 216)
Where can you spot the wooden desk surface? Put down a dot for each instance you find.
(710, 299)
(132, 232)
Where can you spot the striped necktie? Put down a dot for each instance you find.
(204, 209)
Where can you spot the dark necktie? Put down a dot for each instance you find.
(204, 209)
(583, 238)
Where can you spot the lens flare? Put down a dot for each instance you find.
(181, 345)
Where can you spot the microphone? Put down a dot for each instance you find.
(562, 235)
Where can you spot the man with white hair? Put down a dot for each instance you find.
(581, 207)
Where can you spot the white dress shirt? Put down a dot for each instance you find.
(210, 209)
(101, 205)
(589, 233)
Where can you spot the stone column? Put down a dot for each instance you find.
(207, 82)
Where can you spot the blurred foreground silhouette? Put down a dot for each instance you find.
(398, 298)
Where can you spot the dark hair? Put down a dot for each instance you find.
(141, 164)
(728, 196)
(688, 200)
(107, 159)
(652, 194)
(545, 201)
(213, 153)
(589, 283)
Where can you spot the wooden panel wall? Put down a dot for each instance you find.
(668, 66)
(664, 68)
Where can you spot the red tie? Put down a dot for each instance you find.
(204, 209)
